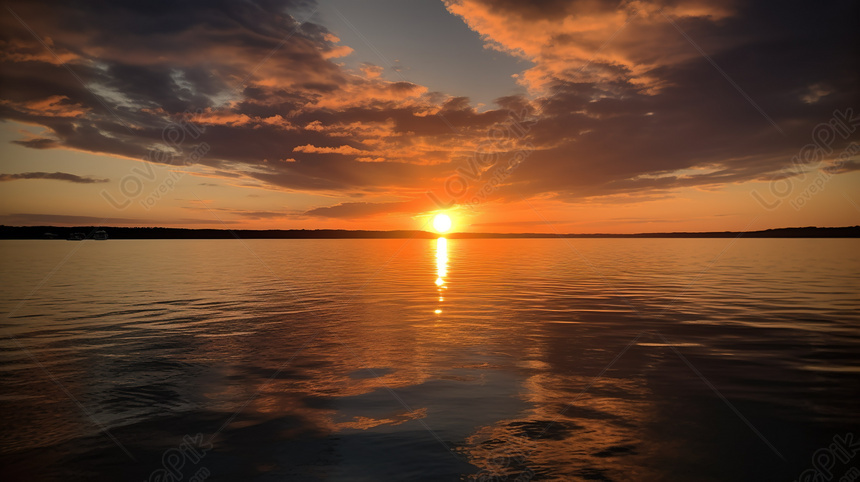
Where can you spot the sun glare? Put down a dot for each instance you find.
(442, 223)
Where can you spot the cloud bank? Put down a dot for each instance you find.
(57, 176)
(621, 101)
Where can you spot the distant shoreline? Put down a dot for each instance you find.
(62, 233)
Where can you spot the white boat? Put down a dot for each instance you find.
(100, 235)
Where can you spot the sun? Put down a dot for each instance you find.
(442, 223)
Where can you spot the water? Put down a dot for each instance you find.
(581, 359)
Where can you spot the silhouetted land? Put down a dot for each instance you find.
(43, 232)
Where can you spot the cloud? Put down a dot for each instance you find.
(327, 150)
(626, 104)
(371, 71)
(843, 167)
(37, 219)
(366, 209)
(621, 105)
(580, 41)
(33, 219)
(38, 143)
(245, 213)
(51, 106)
(280, 112)
(57, 176)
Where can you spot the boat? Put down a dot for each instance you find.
(100, 235)
(76, 237)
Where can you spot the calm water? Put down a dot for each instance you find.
(598, 359)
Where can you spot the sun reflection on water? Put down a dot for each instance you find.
(441, 268)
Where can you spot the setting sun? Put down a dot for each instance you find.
(442, 223)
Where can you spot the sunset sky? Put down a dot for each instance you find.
(510, 115)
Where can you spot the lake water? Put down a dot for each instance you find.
(521, 359)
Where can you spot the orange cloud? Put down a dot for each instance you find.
(587, 41)
(19, 50)
(371, 71)
(53, 106)
(327, 150)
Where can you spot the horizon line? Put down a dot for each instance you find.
(160, 232)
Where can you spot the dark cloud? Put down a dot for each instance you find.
(845, 166)
(57, 176)
(33, 219)
(365, 209)
(248, 214)
(37, 219)
(39, 143)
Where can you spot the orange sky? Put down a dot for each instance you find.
(574, 117)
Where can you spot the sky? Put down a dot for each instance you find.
(565, 116)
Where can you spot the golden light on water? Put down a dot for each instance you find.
(441, 261)
(441, 269)
(442, 223)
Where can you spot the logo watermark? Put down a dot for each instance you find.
(841, 125)
(508, 464)
(823, 176)
(170, 153)
(173, 461)
(842, 450)
(507, 138)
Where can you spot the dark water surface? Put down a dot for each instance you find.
(582, 359)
